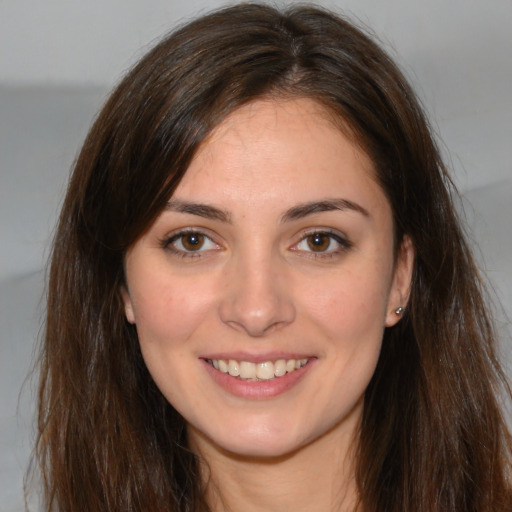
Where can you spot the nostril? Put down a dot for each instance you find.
(257, 319)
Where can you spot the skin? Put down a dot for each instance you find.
(257, 288)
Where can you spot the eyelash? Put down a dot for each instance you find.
(167, 243)
(342, 242)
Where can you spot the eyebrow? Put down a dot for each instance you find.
(199, 209)
(295, 213)
(328, 205)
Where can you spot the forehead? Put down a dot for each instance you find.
(286, 151)
(292, 115)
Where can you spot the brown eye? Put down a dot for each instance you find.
(190, 244)
(319, 242)
(323, 244)
(192, 241)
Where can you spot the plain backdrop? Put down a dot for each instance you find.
(59, 59)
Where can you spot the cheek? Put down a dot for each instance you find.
(350, 305)
(168, 312)
(349, 313)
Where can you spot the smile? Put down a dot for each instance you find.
(268, 370)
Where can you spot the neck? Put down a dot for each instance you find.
(319, 476)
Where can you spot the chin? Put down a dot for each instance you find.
(264, 448)
(274, 449)
(249, 441)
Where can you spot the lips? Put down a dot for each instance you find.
(247, 384)
(263, 371)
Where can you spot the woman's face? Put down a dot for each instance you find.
(261, 293)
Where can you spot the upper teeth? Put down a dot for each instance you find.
(263, 371)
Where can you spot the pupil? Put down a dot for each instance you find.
(193, 241)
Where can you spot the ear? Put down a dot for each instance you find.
(401, 285)
(128, 305)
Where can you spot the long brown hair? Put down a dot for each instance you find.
(432, 436)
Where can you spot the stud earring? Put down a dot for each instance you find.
(400, 310)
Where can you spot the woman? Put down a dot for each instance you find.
(260, 296)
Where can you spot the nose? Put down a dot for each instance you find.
(257, 298)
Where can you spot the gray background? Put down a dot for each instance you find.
(58, 60)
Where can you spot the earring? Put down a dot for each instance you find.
(400, 310)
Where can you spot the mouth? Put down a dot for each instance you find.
(255, 372)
